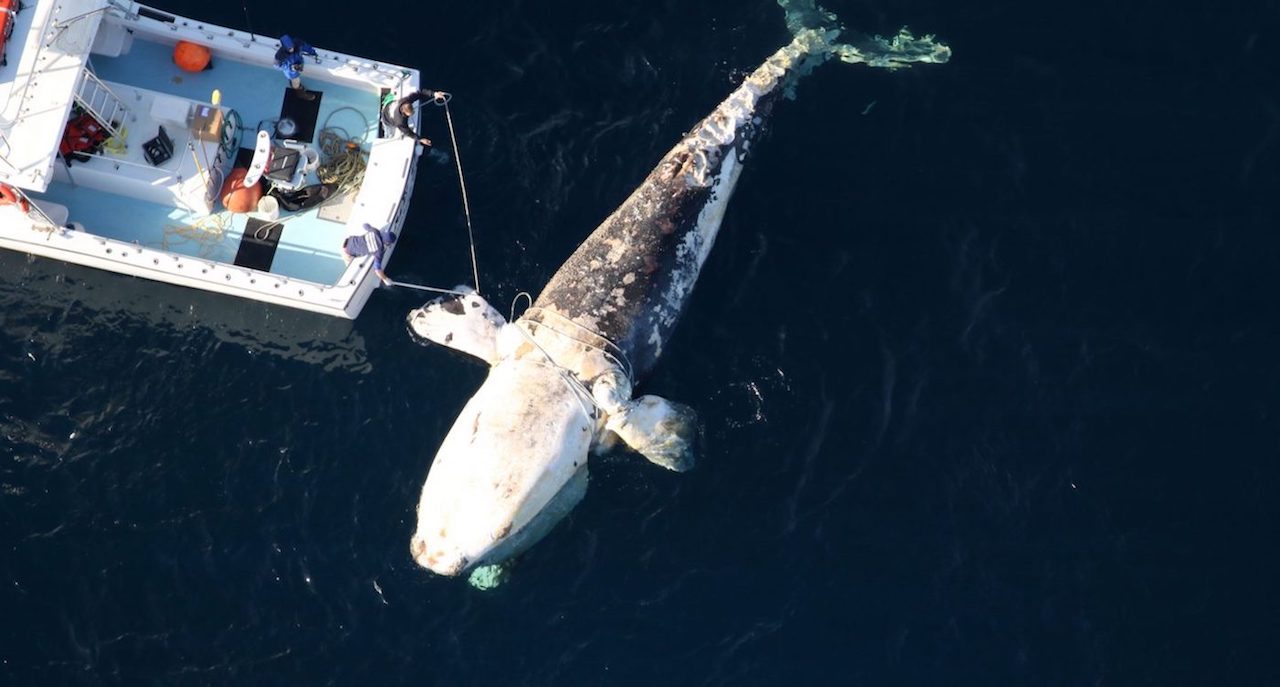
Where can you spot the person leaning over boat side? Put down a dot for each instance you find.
(396, 115)
(372, 242)
(289, 60)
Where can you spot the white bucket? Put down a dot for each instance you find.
(269, 207)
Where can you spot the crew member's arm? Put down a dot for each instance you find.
(424, 94)
(377, 268)
(402, 124)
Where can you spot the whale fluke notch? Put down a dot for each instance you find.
(466, 323)
(663, 431)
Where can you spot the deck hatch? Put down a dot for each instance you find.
(258, 245)
(303, 112)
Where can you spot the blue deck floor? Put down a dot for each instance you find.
(255, 92)
(309, 248)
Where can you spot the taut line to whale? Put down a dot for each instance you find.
(561, 376)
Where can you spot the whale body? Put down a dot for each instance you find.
(561, 375)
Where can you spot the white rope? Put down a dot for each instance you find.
(567, 376)
(428, 288)
(466, 206)
(571, 380)
(617, 355)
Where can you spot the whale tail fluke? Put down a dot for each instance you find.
(817, 30)
(902, 50)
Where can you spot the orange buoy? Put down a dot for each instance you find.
(237, 197)
(8, 196)
(191, 57)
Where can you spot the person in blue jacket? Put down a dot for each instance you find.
(289, 60)
(372, 242)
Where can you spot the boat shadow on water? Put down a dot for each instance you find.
(45, 286)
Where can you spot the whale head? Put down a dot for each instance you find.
(512, 466)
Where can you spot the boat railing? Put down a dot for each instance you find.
(47, 219)
(205, 268)
(51, 29)
(33, 208)
(247, 39)
(4, 140)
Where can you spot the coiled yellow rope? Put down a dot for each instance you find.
(342, 160)
(207, 232)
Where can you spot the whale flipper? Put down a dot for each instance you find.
(660, 430)
(464, 323)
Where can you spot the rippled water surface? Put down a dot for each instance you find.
(985, 359)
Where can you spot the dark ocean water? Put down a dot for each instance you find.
(985, 358)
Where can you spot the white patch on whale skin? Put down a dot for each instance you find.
(465, 323)
(617, 250)
(611, 391)
(692, 251)
(517, 443)
(619, 297)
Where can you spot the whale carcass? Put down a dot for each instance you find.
(561, 376)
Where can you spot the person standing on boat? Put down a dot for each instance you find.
(289, 60)
(372, 242)
(396, 114)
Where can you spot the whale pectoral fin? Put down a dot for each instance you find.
(660, 430)
(464, 323)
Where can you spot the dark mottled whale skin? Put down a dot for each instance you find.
(628, 281)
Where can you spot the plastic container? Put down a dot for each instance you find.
(269, 207)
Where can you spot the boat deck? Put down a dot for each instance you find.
(309, 244)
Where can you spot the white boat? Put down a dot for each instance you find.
(147, 201)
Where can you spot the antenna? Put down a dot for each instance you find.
(252, 36)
